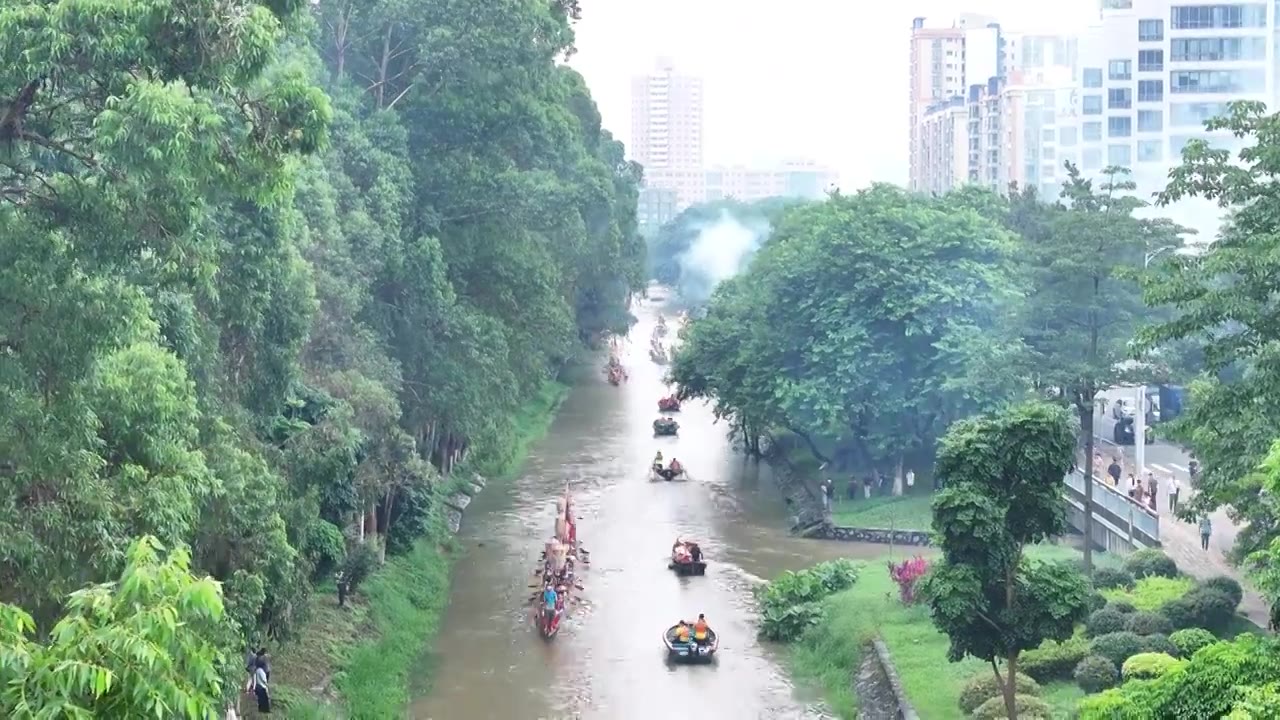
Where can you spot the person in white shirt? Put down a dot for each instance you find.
(1175, 487)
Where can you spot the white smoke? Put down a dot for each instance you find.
(722, 249)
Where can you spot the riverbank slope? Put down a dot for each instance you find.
(356, 661)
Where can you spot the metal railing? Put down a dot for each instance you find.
(1136, 517)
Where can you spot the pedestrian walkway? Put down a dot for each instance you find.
(1181, 539)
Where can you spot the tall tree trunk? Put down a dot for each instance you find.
(899, 477)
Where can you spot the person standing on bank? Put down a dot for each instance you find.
(260, 686)
(1206, 529)
(1175, 487)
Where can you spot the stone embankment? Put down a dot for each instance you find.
(456, 505)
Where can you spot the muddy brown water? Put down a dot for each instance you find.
(488, 663)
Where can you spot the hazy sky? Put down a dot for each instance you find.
(819, 79)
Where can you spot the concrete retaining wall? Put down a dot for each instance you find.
(456, 505)
(905, 710)
(879, 536)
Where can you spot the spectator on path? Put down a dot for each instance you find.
(1206, 529)
(911, 478)
(852, 490)
(260, 675)
(828, 494)
(1175, 487)
(1114, 470)
(866, 487)
(1131, 487)
(1152, 485)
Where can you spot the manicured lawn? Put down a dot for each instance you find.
(1062, 697)
(908, 512)
(932, 683)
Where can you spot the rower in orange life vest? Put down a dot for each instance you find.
(700, 629)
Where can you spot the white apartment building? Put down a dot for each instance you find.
(798, 178)
(667, 131)
(1152, 71)
(945, 61)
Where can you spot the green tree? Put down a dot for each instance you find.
(1084, 309)
(1003, 475)
(1221, 301)
(145, 646)
(864, 326)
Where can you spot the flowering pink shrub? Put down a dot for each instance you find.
(906, 574)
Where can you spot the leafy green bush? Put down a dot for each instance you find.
(1145, 622)
(1226, 585)
(1203, 607)
(1107, 578)
(1103, 622)
(790, 605)
(1117, 647)
(1150, 593)
(1148, 666)
(1159, 644)
(1096, 673)
(1189, 640)
(1054, 660)
(983, 686)
(1207, 686)
(1029, 707)
(1149, 562)
(1124, 607)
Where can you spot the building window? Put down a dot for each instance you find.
(1150, 90)
(1242, 81)
(1067, 136)
(1048, 135)
(1150, 120)
(1120, 69)
(1121, 155)
(1150, 60)
(1195, 114)
(1150, 151)
(1091, 105)
(1150, 30)
(1091, 159)
(1119, 126)
(1092, 77)
(1204, 17)
(1091, 131)
(1120, 98)
(1217, 49)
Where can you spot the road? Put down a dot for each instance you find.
(1181, 539)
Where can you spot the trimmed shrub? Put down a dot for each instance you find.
(1095, 601)
(1226, 585)
(1203, 607)
(1159, 644)
(1029, 707)
(1150, 593)
(1189, 640)
(1105, 578)
(982, 687)
(1103, 622)
(1145, 622)
(1096, 673)
(1148, 666)
(1149, 562)
(1107, 705)
(1117, 647)
(1053, 660)
(1124, 607)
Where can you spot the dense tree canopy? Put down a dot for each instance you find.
(866, 325)
(267, 274)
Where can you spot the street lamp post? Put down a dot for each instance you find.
(1140, 432)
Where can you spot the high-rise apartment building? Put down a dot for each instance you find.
(945, 61)
(667, 131)
(1152, 71)
(798, 179)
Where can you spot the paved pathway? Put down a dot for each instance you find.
(1181, 540)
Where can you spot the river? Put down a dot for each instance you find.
(608, 661)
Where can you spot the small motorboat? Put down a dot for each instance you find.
(657, 473)
(665, 426)
(669, 404)
(690, 652)
(682, 554)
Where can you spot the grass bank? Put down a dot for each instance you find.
(356, 661)
(905, 512)
(829, 656)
